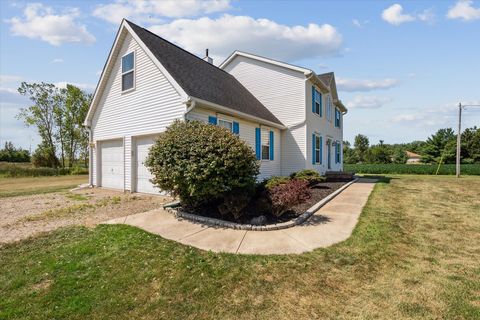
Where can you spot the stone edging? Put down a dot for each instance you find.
(278, 226)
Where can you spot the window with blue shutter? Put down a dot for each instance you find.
(321, 150)
(316, 149)
(236, 128)
(271, 145)
(257, 143)
(338, 115)
(337, 152)
(212, 120)
(316, 101)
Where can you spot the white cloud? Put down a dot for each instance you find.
(260, 36)
(84, 86)
(359, 24)
(57, 60)
(40, 22)
(8, 79)
(367, 102)
(152, 10)
(395, 15)
(464, 10)
(365, 85)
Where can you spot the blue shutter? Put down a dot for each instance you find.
(212, 120)
(321, 150)
(236, 128)
(271, 143)
(313, 99)
(313, 149)
(257, 143)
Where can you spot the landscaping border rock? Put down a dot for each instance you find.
(278, 226)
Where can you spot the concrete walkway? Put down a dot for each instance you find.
(331, 224)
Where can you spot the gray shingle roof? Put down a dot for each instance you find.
(201, 79)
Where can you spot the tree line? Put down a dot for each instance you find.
(58, 115)
(440, 147)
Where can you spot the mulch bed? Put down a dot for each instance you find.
(319, 191)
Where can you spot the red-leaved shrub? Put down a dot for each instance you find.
(285, 196)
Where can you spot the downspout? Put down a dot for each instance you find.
(190, 106)
(90, 155)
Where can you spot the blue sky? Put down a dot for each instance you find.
(401, 67)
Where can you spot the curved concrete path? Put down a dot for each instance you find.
(332, 223)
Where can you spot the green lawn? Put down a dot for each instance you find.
(11, 187)
(414, 254)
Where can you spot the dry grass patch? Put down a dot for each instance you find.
(413, 255)
(12, 187)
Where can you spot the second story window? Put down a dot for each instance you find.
(338, 116)
(329, 108)
(128, 71)
(316, 102)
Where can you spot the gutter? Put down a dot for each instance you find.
(234, 112)
(190, 106)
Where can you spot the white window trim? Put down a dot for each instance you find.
(225, 120)
(318, 161)
(268, 143)
(134, 70)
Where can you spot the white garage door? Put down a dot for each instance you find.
(111, 164)
(143, 145)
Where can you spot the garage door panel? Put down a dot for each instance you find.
(112, 168)
(143, 175)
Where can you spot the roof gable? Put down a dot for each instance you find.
(202, 80)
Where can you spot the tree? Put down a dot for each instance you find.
(41, 114)
(399, 156)
(440, 147)
(471, 145)
(361, 147)
(349, 155)
(378, 154)
(11, 154)
(58, 115)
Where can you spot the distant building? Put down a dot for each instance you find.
(413, 157)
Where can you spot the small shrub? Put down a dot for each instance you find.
(275, 181)
(200, 163)
(234, 204)
(285, 196)
(308, 175)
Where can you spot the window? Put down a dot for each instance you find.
(317, 149)
(338, 148)
(128, 71)
(338, 116)
(318, 103)
(226, 124)
(329, 108)
(265, 147)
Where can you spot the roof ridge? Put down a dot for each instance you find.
(177, 46)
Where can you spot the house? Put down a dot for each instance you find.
(413, 158)
(290, 116)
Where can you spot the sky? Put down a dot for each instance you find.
(401, 67)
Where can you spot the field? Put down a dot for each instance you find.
(413, 254)
(12, 169)
(445, 169)
(11, 187)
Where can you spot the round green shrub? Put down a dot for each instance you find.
(308, 175)
(201, 163)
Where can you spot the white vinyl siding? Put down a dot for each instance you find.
(149, 109)
(247, 132)
(281, 90)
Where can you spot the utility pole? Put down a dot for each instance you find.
(459, 139)
(459, 134)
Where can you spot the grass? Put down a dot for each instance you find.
(413, 254)
(430, 169)
(26, 169)
(11, 187)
